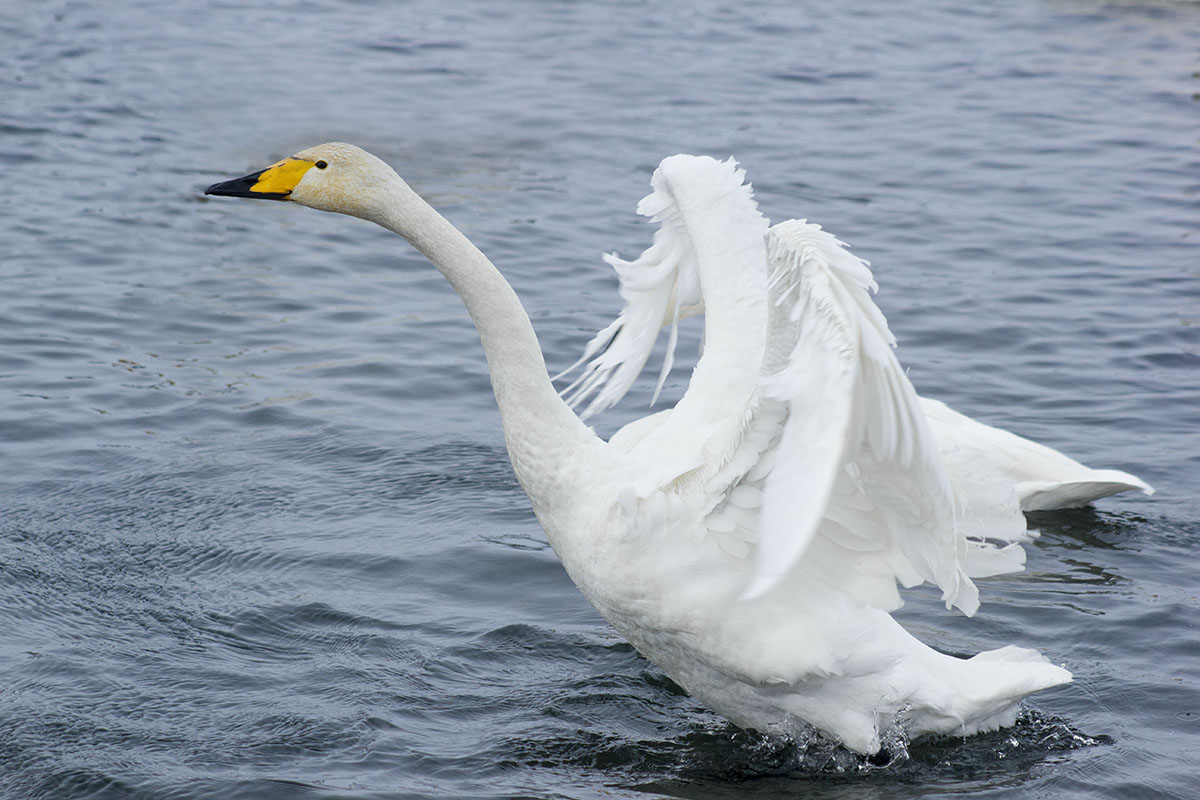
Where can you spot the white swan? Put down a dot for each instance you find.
(750, 540)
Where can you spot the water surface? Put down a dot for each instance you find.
(258, 532)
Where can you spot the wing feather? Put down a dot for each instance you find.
(705, 212)
(807, 439)
(854, 417)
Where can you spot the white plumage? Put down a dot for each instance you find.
(750, 540)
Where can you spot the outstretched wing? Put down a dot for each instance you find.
(799, 428)
(856, 462)
(838, 481)
(705, 213)
(710, 244)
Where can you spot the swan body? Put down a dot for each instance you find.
(751, 540)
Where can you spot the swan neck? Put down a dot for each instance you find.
(544, 436)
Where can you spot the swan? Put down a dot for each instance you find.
(749, 541)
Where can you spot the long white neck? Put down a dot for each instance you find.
(545, 438)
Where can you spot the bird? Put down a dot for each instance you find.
(751, 540)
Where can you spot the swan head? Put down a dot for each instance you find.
(335, 177)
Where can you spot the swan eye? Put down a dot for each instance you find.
(320, 165)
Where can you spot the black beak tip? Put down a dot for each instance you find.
(242, 187)
(238, 187)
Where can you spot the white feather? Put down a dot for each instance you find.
(849, 403)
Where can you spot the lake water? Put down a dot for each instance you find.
(258, 532)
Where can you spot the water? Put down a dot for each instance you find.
(258, 533)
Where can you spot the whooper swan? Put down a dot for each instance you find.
(749, 541)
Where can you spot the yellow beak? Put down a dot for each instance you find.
(273, 183)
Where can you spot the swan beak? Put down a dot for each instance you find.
(273, 183)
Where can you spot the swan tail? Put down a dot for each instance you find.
(979, 694)
(1042, 478)
(893, 682)
(1049, 495)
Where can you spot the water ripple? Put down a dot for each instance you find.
(258, 532)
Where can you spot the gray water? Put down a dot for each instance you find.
(258, 532)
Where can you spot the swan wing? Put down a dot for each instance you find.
(705, 213)
(856, 470)
(799, 424)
